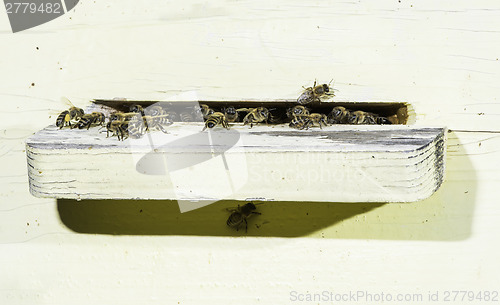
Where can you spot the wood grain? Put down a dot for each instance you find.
(338, 163)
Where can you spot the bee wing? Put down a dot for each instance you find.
(66, 101)
(242, 110)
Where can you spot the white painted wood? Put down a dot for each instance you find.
(441, 57)
(343, 163)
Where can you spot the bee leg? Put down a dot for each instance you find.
(257, 213)
(161, 128)
(91, 122)
(246, 226)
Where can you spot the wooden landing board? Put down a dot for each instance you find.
(342, 163)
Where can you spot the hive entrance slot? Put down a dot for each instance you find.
(397, 113)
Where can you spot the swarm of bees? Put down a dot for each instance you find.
(305, 114)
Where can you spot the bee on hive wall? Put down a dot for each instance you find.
(239, 215)
(72, 114)
(314, 93)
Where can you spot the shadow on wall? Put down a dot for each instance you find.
(446, 215)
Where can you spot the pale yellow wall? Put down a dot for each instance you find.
(440, 57)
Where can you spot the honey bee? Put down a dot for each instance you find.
(137, 109)
(306, 121)
(231, 114)
(361, 117)
(206, 111)
(216, 118)
(186, 116)
(255, 115)
(299, 122)
(154, 117)
(65, 117)
(383, 120)
(158, 115)
(117, 128)
(136, 127)
(202, 112)
(121, 116)
(297, 110)
(239, 215)
(317, 120)
(338, 115)
(89, 119)
(313, 94)
(172, 115)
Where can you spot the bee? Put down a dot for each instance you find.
(307, 121)
(206, 111)
(89, 119)
(121, 116)
(361, 117)
(338, 115)
(240, 215)
(186, 116)
(202, 112)
(299, 122)
(231, 114)
(313, 94)
(382, 120)
(65, 118)
(135, 127)
(157, 122)
(217, 118)
(137, 109)
(297, 110)
(158, 115)
(118, 128)
(317, 120)
(154, 117)
(172, 115)
(255, 115)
